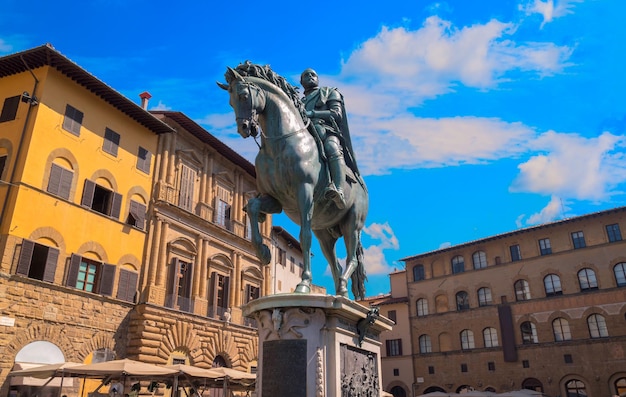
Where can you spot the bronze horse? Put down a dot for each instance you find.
(291, 177)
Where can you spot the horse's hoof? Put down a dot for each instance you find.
(303, 289)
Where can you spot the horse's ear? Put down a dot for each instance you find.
(222, 85)
(235, 74)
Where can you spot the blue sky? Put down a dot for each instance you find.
(468, 118)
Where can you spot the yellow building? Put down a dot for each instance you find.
(123, 232)
(76, 167)
(539, 308)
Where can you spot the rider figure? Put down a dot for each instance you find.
(324, 106)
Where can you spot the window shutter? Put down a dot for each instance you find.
(116, 205)
(248, 293)
(144, 158)
(23, 264)
(106, 279)
(212, 294)
(72, 273)
(54, 183)
(172, 283)
(127, 285)
(51, 264)
(88, 192)
(226, 290)
(66, 183)
(9, 109)
(138, 211)
(399, 347)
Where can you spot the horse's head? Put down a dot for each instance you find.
(247, 100)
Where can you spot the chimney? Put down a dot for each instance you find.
(145, 96)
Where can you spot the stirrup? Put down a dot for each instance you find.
(336, 196)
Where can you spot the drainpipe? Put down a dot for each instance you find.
(32, 101)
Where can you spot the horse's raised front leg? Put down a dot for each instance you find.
(256, 208)
(305, 205)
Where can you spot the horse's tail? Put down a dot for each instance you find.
(359, 276)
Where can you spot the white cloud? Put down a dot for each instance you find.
(161, 106)
(556, 209)
(5, 47)
(549, 9)
(574, 167)
(374, 258)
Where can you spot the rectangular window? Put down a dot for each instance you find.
(186, 187)
(282, 257)
(179, 285)
(101, 199)
(394, 347)
(73, 120)
(516, 253)
(431, 370)
(567, 358)
(463, 367)
(544, 246)
(223, 214)
(60, 181)
(136, 215)
(91, 276)
(37, 261)
(219, 286)
(144, 158)
(525, 364)
(491, 366)
(396, 372)
(111, 141)
(391, 315)
(9, 109)
(292, 264)
(578, 239)
(252, 293)
(612, 231)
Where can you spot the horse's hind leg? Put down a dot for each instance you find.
(327, 243)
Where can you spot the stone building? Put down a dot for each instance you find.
(539, 308)
(396, 352)
(122, 233)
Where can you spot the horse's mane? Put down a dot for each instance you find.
(249, 69)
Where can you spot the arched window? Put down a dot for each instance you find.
(587, 279)
(490, 336)
(425, 344)
(458, 264)
(484, 296)
(620, 274)
(418, 273)
(552, 284)
(479, 258)
(462, 300)
(597, 326)
(561, 330)
(422, 307)
(522, 290)
(529, 333)
(467, 339)
(575, 388)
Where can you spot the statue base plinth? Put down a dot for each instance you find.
(317, 346)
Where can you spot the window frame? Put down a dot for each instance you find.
(479, 260)
(587, 279)
(113, 202)
(111, 142)
(545, 246)
(490, 337)
(41, 270)
(529, 336)
(596, 323)
(421, 307)
(467, 339)
(9, 108)
(462, 301)
(144, 160)
(561, 329)
(516, 252)
(393, 347)
(104, 276)
(578, 239)
(60, 181)
(458, 265)
(613, 233)
(425, 344)
(72, 120)
(484, 296)
(620, 279)
(553, 288)
(418, 273)
(525, 291)
(136, 215)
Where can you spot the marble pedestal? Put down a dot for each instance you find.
(317, 346)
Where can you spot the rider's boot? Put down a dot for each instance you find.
(337, 173)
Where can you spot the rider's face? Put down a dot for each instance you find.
(309, 79)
